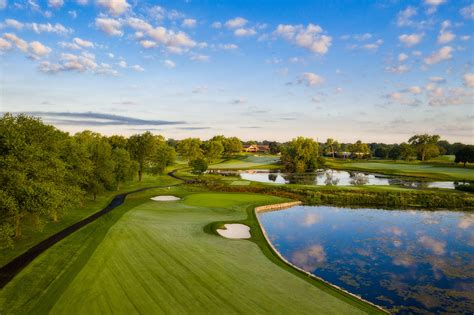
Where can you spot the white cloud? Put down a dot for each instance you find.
(445, 35)
(3, 4)
(49, 28)
(138, 24)
(80, 63)
(138, 68)
(189, 23)
(468, 79)
(82, 2)
(242, 32)
(55, 3)
(122, 64)
(19, 43)
(402, 57)
(200, 90)
(437, 79)
(363, 37)
(398, 69)
(38, 49)
(69, 45)
(239, 100)
(216, 25)
(444, 53)
(72, 13)
(309, 37)
(13, 23)
(310, 79)
(437, 96)
(200, 58)
(410, 40)
(402, 99)
(115, 7)
(4, 44)
(110, 26)
(415, 90)
(169, 64)
(148, 44)
(404, 17)
(83, 43)
(465, 37)
(237, 22)
(175, 42)
(373, 46)
(468, 12)
(228, 46)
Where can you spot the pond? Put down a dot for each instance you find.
(337, 178)
(406, 261)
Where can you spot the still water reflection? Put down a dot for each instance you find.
(339, 178)
(407, 261)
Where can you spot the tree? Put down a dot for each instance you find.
(407, 152)
(359, 149)
(125, 168)
(426, 145)
(274, 147)
(213, 150)
(164, 156)
(395, 152)
(33, 176)
(465, 155)
(199, 165)
(190, 149)
(381, 150)
(103, 165)
(300, 155)
(330, 145)
(232, 145)
(141, 148)
(118, 142)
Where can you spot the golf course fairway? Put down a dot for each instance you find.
(163, 257)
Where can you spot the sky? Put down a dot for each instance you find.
(378, 71)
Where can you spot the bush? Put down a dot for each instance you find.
(199, 165)
(465, 187)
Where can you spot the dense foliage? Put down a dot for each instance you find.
(300, 155)
(45, 172)
(465, 155)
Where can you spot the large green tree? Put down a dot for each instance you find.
(142, 148)
(213, 150)
(425, 145)
(300, 155)
(465, 155)
(190, 149)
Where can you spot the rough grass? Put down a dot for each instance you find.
(34, 233)
(249, 161)
(426, 170)
(155, 257)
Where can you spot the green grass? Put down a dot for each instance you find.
(33, 233)
(160, 257)
(249, 161)
(240, 183)
(426, 170)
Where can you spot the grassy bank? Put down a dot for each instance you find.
(429, 170)
(375, 196)
(33, 233)
(152, 257)
(249, 161)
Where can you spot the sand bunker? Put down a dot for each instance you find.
(235, 231)
(165, 198)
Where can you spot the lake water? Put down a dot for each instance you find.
(339, 178)
(406, 261)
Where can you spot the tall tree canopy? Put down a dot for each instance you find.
(142, 148)
(465, 155)
(300, 155)
(190, 149)
(426, 146)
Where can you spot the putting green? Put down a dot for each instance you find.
(157, 258)
(248, 161)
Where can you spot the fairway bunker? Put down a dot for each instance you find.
(165, 198)
(235, 231)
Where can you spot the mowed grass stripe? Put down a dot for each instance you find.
(158, 259)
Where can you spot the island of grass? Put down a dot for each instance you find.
(151, 257)
(249, 161)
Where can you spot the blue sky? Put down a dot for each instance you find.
(369, 70)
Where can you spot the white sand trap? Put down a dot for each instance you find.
(165, 198)
(235, 231)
